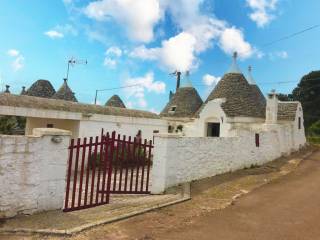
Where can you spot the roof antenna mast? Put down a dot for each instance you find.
(72, 61)
(178, 74)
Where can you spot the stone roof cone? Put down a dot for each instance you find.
(242, 99)
(41, 88)
(115, 101)
(256, 90)
(65, 93)
(184, 103)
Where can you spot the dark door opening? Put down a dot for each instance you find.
(213, 130)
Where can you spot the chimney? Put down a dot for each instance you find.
(23, 92)
(7, 89)
(178, 80)
(170, 95)
(272, 108)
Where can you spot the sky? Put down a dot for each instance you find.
(138, 43)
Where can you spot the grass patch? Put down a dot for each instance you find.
(314, 140)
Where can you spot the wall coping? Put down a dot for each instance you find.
(168, 135)
(39, 132)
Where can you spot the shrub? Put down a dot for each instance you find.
(314, 129)
(128, 159)
(315, 140)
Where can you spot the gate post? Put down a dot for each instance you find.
(161, 157)
(52, 158)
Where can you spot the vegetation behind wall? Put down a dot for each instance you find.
(12, 125)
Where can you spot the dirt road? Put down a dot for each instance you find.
(286, 208)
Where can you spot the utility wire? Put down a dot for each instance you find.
(291, 35)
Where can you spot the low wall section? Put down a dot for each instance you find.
(32, 171)
(183, 159)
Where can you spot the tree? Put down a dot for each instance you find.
(12, 125)
(285, 97)
(314, 129)
(308, 93)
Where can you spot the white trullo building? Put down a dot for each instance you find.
(235, 107)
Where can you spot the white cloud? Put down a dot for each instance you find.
(109, 62)
(112, 55)
(232, 40)
(140, 85)
(13, 53)
(145, 53)
(53, 34)
(197, 33)
(60, 31)
(138, 17)
(18, 62)
(153, 110)
(262, 11)
(129, 104)
(282, 54)
(177, 53)
(210, 80)
(279, 54)
(114, 50)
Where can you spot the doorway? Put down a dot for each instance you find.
(213, 129)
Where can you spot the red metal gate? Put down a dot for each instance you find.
(106, 165)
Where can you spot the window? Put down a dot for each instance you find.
(257, 140)
(172, 109)
(170, 129)
(299, 123)
(179, 128)
(49, 125)
(213, 130)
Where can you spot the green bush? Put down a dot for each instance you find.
(314, 129)
(314, 140)
(128, 159)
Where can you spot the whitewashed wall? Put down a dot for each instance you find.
(32, 172)
(122, 125)
(183, 159)
(212, 112)
(299, 134)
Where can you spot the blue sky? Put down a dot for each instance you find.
(129, 42)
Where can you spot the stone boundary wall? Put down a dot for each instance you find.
(180, 159)
(33, 171)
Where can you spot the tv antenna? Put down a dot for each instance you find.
(178, 74)
(73, 61)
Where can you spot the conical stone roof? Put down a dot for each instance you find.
(41, 88)
(242, 99)
(65, 93)
(184, 103)
(115, 101)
